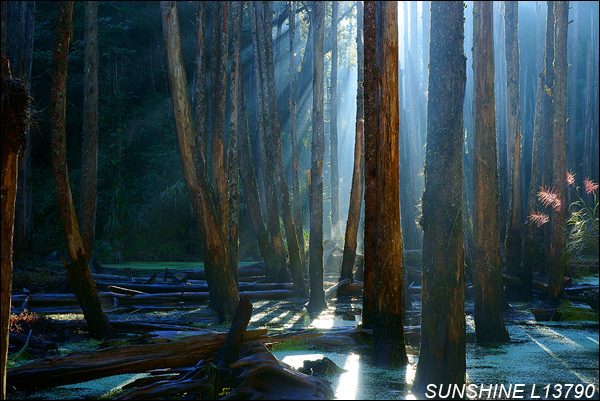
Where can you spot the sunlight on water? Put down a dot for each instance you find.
(322, 323)
(297, 361)
(346, 389)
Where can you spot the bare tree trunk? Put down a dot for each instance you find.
(200, 78)
(266, 157)
(77, 269)
(294, 140)
(371, 124)
(557, 268)
(14, 112)
(333, 134)
(317, 294)
(548, 109)
(513, 115)
(356, 190)
(442, 357)
(89, 156)
(572, 94)
(388, 323)
(20, 17)
(489, 324)
(275, 131)
(221, 280)
(529, 237)
(232, 149)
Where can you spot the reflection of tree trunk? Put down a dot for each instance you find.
(221, 280)
(232, 149)
(77, 269)
(513, 231)
(557, 268)
(382, 145)
(294, 140)
(529, 237)
(357, 173)
(14, 111)
(333, 134)
(442, 356)
(486, 230)
(371, 124)
(20, 17)
(317, 294)
(266, 157)
(89, 156)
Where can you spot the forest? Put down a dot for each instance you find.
(299, 200)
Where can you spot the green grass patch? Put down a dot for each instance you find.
(569, 313)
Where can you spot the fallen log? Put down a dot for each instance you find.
(89, 365)
(333, 290)
(165, 288)
(255, 269)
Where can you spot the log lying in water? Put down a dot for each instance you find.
(256, 269)
(164, 288)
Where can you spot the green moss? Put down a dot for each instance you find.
(568, 312)
(291, 345)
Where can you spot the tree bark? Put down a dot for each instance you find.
(77, 269)
(333, 134)
(275, 131)
(529, 237)
(20, 16)
(266, 157)
(442, 356)
(371, 125)
(89, 156)
(232, 150)
(356, 191)
(557, 268)
(317, 294)
(489, 325)
(513, 116)
(14, 114)
(388, 323)
(221, 280)
(548, 108)
(200, 78)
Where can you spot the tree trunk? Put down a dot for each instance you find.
(20, 17)
(317, 295)
(489, 324)
(557, 268)
(14, 112)
(220, 278)
(232, 149)
(356, 190)
(370, 124)
(78, 271)
(572, 57)
(333, 134)
(442, 356)
(294, 140)
(89, 154)
(276, 150)
(388, 324)
(529, 237)
(266, 157)
(548, 108)
(200, 78)
(513, 115)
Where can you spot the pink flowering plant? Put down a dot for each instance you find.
(581, 229)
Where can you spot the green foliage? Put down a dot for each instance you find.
(569, 312)
(582, 228)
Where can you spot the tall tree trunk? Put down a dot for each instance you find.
(89, 151)
(557, 268)
(425, 28)
(200, 78)
(371, 124)
(442, 355)
(20, 17)
(388, 323)
(333, 134)
(489, 324)
(267, 161)
(275, 131)
(232, 149)
(77, 268)
(572, 94)
(221, 280)
(219, 89)
(529, 237)
(349, 255)
(513, 115)
(317, 294)
(14, 112)
(294, 140)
